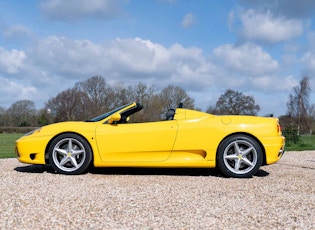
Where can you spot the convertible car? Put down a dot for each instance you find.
(236, 145)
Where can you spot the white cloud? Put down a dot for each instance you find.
(12, 61)
(286, 8)
(68, 57)
(17, 33)
(127, 60)
(13, 90)
(136, 55)
(188, 20)
(248, 58)
(54, 64)
(272, 83)
(308, 60)
(77, 9)
(311, 39)
(265, 27)
(249, 68)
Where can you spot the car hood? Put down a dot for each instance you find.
(79, 127)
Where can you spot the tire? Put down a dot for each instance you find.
(239, 156)
(70, 154)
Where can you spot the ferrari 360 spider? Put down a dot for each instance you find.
(236, 145)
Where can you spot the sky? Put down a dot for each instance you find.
(261, 48)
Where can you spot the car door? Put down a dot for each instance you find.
(151, 141)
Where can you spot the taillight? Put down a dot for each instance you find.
(279, 129)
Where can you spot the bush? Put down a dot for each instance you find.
(5, 129)
(291, 136)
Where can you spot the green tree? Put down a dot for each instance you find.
(96, 96)
(143, 94)
(298, 106)
(2, 116)
(67, 105)
(170, 98)
(22, 113)
(235, 103)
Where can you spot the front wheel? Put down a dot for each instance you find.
(70, 154)
(239, 156)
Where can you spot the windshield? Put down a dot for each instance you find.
(103, 116)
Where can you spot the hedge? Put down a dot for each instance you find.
(5, 129)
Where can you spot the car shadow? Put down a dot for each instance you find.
(156, 171)
(137, 171)
(261, 173)
(35, 169)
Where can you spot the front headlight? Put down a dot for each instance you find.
(32, 132)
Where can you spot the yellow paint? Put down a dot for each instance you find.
(190, 140)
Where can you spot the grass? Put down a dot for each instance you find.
(7, 142)
(306, 142)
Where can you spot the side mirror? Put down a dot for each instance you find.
(114, 117)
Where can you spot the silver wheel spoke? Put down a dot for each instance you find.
(248, 162)
(240, 156)
(237, 164)
(231, 157)
(69, 154)
(247, 151)
(236, 148)
(73, 161)
(61, 151)
(64, 161)
(77, 152)
(69, 145)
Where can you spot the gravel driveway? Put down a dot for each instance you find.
(280, 196)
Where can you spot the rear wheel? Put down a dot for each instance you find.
(239, 156)
(70, 154)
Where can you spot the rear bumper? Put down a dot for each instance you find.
(281, 153)
(274, 149)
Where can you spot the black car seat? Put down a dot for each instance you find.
(170, 114)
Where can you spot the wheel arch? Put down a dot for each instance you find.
(59, 134)
(248, 135)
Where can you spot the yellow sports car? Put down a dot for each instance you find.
(236, 145)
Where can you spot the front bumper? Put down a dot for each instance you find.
(31, 150)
